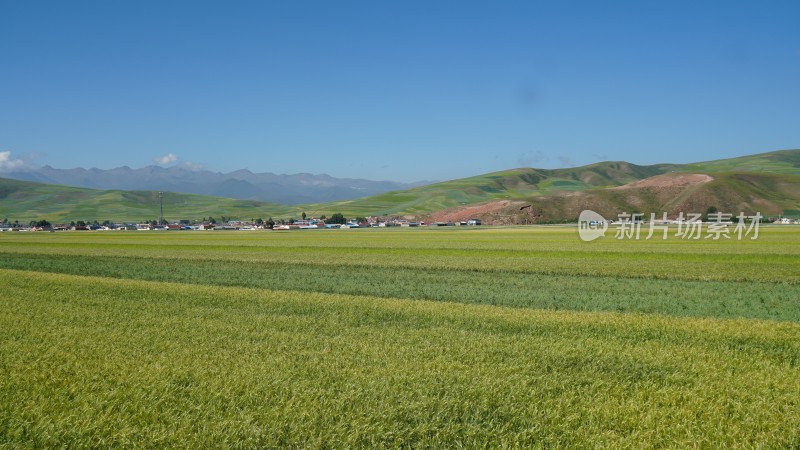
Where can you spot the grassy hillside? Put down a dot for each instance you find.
(550, 186)
(519, 183)
(768, 194)
(780, 162)
(26, 201)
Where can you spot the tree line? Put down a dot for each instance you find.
(336, 218)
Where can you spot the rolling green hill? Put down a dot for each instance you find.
(26, 201)
(730, 192)
(529, 184)
(780, 162)
(519, 183)
(767, 182)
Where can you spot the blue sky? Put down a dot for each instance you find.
(405, 91)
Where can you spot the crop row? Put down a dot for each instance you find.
(775, 257)
(98, 362)
(762, 300)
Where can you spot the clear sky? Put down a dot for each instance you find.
(403, 90)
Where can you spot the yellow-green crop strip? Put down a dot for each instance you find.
(330, 339)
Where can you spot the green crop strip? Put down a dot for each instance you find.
(775, 257)
(93, 362)
(777, 301)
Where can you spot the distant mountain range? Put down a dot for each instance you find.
(242, 184)
(768, 183)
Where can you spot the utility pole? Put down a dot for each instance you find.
(161, 202)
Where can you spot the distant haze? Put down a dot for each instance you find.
(242, 184)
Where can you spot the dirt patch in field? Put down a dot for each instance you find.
(480, 211)
(671, 193)
(669, 180)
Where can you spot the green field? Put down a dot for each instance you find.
(495, 337)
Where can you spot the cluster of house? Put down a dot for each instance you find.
(371, 222)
